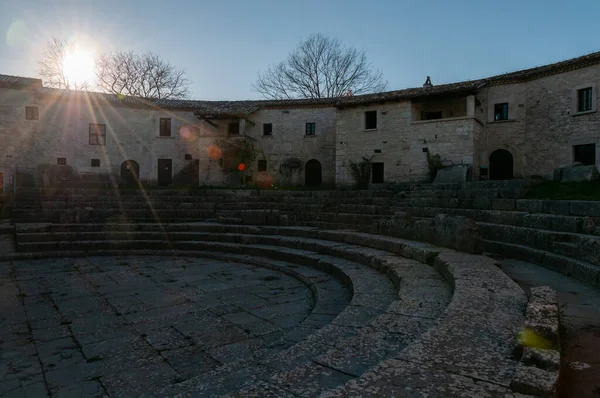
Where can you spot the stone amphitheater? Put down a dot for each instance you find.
(441, 290)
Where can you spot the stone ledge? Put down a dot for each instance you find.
(539, 369)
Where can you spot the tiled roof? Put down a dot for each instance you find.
(18, 81)
(238, 108)
(411, 93)
(545, 70)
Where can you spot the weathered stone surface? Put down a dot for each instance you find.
(585, 208)
(541, 358)
(452, 175)
(457, 232)
(580, 174)
(535, 381)
(542, 314)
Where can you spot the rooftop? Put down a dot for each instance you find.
(224, 108)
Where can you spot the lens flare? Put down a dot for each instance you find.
(15, 34)
(187, 133)
(214, 152)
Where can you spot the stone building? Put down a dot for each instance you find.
(513, 125)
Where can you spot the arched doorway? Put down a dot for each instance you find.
(130, 171)
(312, 173)
(501, 165)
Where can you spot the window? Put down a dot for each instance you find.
(188, 156)
(311, 128)
(425, 149)
(32, 113)
(370, 120)
(431, 115)
(97, 134)
(165, 127)
(585, 154)
(262, 165)
(584, 99)
(377, 173)
(95, 162)
(61, 161)
(377, 151)
(234, 128)
(501, 111)
(267, 129)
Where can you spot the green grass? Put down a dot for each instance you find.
(553, 190)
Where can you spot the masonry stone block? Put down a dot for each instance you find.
(503, 204)
(585, 208)
(580, 174)
(482, 204)
(530, 206)
(557, 207)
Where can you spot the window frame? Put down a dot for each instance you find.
(504, 111)
(368, 118)
(35, 115)
(231, 131)
(382, 173)
(582, 101)
(575, 96)
(167, 130)
(96, 135)
(310, 128)
(270, 129)
(578, 146)
(261, 162)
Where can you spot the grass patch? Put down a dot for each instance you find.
(554, 190)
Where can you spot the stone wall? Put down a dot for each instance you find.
(133, 133)
(289, 140)
(543, 125)
(402, 143)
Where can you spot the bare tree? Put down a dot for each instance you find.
(141, 75)
(52, 66)
(320, 67)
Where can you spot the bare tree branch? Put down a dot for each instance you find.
(141, 75)
(52, 68)
(320, 67)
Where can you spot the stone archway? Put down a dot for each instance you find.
(130, 172)
(312, 173)
(501, 165)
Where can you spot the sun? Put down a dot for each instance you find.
(78, 66)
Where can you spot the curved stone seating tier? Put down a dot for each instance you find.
(173, 206)
(573, 254)
(551, 222)
(403, 330)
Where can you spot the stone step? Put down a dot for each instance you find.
(587, 247)
(553, 222)
(484, 315)
(581, 270)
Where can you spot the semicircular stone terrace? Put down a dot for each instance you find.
(239, 310)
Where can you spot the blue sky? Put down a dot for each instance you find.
(223, 44)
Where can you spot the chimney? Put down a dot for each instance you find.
(428, 82)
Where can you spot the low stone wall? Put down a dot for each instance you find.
(559, 207)
(538, 371)
(456, 232)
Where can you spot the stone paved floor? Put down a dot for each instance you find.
(580, 324)
(120, 326)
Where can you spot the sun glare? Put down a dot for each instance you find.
(78, 66)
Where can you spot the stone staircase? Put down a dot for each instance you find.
(561, 235)
(342, 209)
(417, 312)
